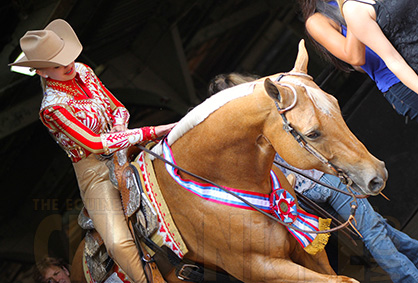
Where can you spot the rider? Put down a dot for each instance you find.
(392, 249)
(86, 120)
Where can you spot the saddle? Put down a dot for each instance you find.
(143, 223)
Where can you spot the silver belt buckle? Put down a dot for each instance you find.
(183, 273)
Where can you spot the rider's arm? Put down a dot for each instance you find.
(59, 118)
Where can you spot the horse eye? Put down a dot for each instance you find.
(313, 135)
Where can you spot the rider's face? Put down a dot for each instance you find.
(60, 73)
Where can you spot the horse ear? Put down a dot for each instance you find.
(277, 92)
(301, 64)
(272, 90)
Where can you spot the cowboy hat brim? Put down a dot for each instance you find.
(71, 50)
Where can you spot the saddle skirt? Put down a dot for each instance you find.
(167, 233)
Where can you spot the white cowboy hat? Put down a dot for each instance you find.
(56, 45)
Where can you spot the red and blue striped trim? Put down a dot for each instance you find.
(304, 220)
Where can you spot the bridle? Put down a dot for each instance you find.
(345, 179)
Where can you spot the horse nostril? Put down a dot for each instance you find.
(376, 184)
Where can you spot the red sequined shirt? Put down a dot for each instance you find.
(80, 112)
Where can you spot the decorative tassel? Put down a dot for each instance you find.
(321, 240)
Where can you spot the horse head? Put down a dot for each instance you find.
(315, 119)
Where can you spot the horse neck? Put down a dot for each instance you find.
(229, 149)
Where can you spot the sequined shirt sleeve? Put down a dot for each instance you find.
(60, 119)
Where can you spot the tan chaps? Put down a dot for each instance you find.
(103, 203)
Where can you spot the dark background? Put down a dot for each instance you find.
(157, 57)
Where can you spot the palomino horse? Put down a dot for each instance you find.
(232, 142)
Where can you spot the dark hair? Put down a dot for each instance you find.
(44, 264)
(224, 81)
(310, 7)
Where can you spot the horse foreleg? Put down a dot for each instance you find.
(318, 262)
(284, 270)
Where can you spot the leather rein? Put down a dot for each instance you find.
(303, 143)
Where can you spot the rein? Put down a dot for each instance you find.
(315, 180)
(237, 196)
(343, 225)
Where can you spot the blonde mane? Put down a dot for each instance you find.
(203, 110)
(316, 95)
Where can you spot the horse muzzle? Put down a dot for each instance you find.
(370, 182)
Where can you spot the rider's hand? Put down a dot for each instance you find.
(162, 130)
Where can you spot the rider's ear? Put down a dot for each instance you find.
(41, 73)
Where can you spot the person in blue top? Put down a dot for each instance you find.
(389, 28)
(392, 249)
(328, 33)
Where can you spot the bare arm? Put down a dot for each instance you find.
(361, 21)
(327, 33)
